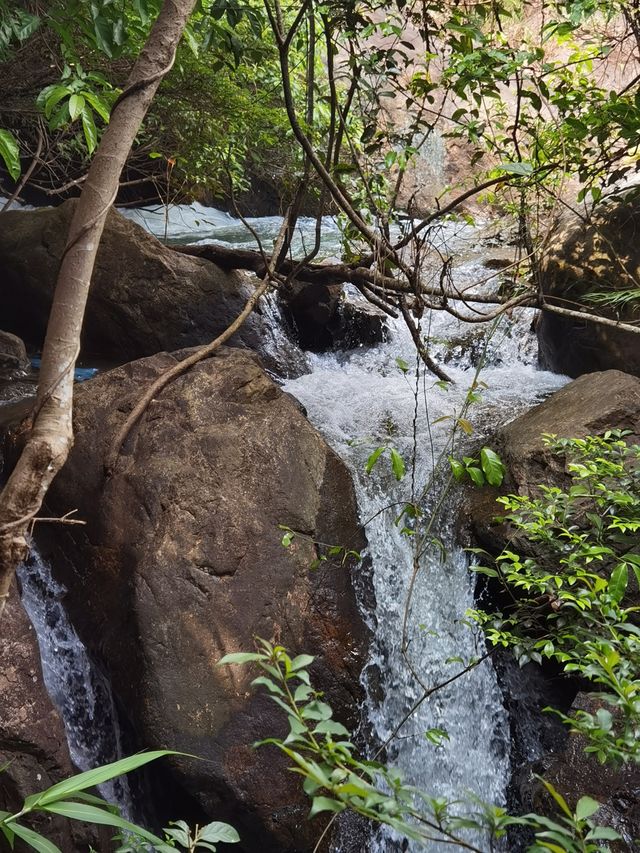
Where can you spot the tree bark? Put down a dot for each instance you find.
(51, 436)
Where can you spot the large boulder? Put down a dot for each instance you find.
(13, 353)
(181, 561)
(600, 255)
(588, 406)
(33, 744)
(144, 297)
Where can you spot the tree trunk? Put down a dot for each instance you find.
(51, 436)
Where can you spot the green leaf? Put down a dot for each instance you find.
(465, 425)
(457, 468)
(557, 796)
(34, 839)
(10, 153)
(76, 105)
(618, 582)
(102, 817)
(218, 831)
(98, 104)
(373, 458)
(324, 804)
(586, 807)
(476, 475)
(492, 466)
(90, 778)
(603, 833)
(301, 661)
(522, 169)
(89, 128)
(397, 464)
(240, 657)
(55, 95)
(402, 364)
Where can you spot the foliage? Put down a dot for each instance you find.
(71, 799)
(336, 778)
(487, 469)
(575, 592)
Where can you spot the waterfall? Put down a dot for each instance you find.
(78, 689)
(362, 400)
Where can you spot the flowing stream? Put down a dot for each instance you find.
(360, 400)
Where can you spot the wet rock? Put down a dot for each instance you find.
(182, 562)
(600, 256)
(144, 297)
(32, 737)
(589, 405)
(578, 774)
(326, 317)
(13, 354)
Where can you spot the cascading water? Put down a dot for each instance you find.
(362, 400)
(80, 692)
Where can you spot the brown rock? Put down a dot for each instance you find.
(589, 405)
(144, 297)
(182, 562)
(578, 774)
(601, 256)
(13, 354)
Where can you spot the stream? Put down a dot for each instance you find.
(360, 400)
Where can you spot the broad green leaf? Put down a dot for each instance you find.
(98, 104)
(76, 105)
(457, 468)
(522, 169)
(218, 831)
(402, 364)
(54, 95)
(34, 839)
(90, 778)
(618, 582)
(586, 807)
(89, 128)
(10, 153)
(240, 657)
(492, 466)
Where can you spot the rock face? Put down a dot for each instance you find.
(324, 317)
(602, 256)
(589, 405)
(32, 736)
(144, 297)
(13, 354)
(181, 562)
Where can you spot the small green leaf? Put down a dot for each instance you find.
(373, 458)
(89, 128)
(324, 804)
(402, 364)
(397, 464)
(218, 831)
(586, 807)
(10, 153)
(240, 657)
